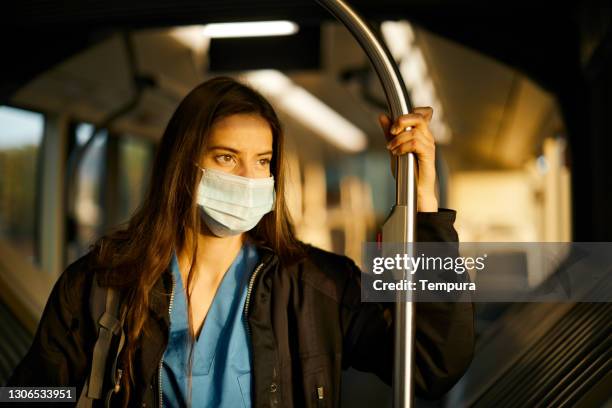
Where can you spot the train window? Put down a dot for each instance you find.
(111, 181)
(88, 205)
(21, 134)
(135, 161)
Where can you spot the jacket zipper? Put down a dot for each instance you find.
(247, 301)
(161, 361)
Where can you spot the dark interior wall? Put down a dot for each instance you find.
(589, 115)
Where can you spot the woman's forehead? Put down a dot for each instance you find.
(241, 132)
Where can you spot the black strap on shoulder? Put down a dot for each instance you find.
(104, 305)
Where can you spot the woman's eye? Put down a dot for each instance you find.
(264, 162)
(225, 159)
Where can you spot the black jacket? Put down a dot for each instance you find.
(306, 321)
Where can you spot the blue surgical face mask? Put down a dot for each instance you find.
(233, 204)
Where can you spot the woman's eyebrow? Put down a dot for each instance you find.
(229, 149)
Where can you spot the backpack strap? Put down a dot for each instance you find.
(104, 305)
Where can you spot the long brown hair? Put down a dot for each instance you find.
(143, 249)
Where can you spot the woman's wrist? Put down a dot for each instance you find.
(427, 202)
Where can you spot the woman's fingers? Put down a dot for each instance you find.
(385, 124)
(408, 120)
(419, 119)
(425, 111)
(409, 133)
(402, 138)
(411, 141)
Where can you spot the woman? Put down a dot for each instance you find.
(286, 317)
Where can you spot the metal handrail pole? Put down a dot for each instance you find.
(400, 226)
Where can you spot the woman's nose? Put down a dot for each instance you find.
(245, 171)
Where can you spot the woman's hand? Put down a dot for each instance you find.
(419, 141)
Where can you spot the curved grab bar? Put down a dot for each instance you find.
(388, 74)
(400, 226)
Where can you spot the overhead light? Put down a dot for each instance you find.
(191, 36)
(250, 29)
(308, 110)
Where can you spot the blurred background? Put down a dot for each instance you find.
(522, 97)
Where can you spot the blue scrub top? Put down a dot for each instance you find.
(221, 375)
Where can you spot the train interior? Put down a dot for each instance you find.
(88, 94)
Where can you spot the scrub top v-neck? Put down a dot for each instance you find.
(221, 372)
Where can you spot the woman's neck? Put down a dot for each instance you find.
(212, 248)
(214, 253)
